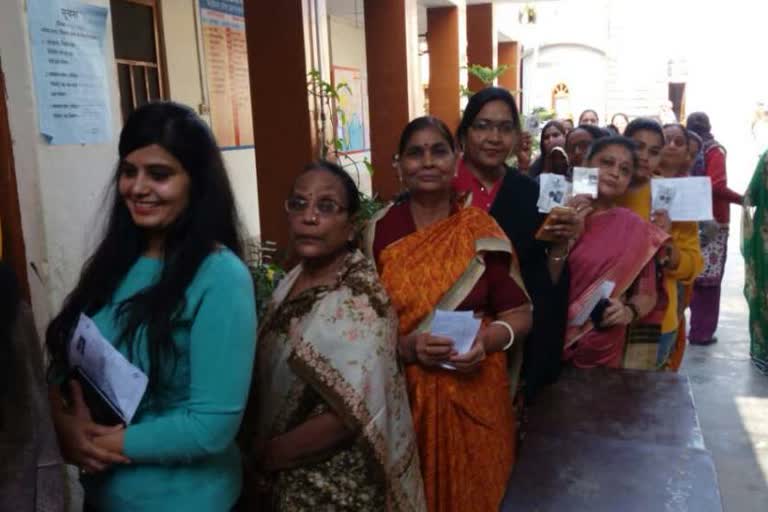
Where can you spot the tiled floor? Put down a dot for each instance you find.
(732, 398)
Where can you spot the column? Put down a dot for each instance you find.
(390, 50)
(481, 40)
(508, 54)
(443, 36)
(282, 130)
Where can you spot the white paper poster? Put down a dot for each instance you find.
(67, 40)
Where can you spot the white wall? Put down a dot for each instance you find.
(60, 187)
(184, 63)
(347, 48)
(582, 69)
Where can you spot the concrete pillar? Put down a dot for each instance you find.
(481, 40)
(282, 130)
(443, 39)
(391, 49)
(509, 54)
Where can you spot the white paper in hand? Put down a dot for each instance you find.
(554, 190)
(685, 199)
(122, 382)
(460, 326)
(585, 181)
(603, 291)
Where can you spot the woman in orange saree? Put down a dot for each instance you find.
(617, 249)
(433, 255)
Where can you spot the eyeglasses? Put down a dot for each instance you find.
(484, 126)
(323, 207)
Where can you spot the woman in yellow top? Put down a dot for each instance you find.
(680, 260)
(676, 160)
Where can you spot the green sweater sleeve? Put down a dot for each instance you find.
(222, 343)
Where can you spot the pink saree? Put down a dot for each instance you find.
(616, 246)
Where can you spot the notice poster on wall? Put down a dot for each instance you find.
(67, 40)
(350, 110)
(226, 65)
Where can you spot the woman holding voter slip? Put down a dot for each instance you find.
(662, 152)
(682, 262)
(613, 282)
(488, 133)
(444, 267)
(166, 301)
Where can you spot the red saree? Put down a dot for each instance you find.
(617, 246)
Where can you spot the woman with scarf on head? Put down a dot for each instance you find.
(705, 303)
(755, 250)
(552, 137)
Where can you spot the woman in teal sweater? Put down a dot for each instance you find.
(167, 288)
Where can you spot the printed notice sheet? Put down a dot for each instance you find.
(685, 199)
(68, 62)
(123, 383)
(460, 326)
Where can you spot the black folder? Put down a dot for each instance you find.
(103, 410)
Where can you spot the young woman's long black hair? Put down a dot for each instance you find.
(209, 220)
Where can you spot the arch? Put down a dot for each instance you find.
(561, 98)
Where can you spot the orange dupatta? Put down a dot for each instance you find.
(465, 424)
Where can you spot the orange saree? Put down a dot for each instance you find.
(465, 424)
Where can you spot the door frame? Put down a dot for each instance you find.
(13, 248)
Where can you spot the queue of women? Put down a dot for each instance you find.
(342, 398)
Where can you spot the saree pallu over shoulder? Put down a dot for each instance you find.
(341, 342)
(617, 245)
(465, 424)
(436, 267)
(754, 248)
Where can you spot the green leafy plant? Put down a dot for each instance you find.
(332, 148)
(262, 257)
(533, 123)
(485, 74)
(527, 14)
(266, 274)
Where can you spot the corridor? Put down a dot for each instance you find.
(731, 396)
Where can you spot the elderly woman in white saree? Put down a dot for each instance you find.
(328, 425)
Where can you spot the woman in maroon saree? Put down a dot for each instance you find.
(616, 247)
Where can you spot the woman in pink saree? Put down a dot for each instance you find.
(613, 260)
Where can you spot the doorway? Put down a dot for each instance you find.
(13, 250)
